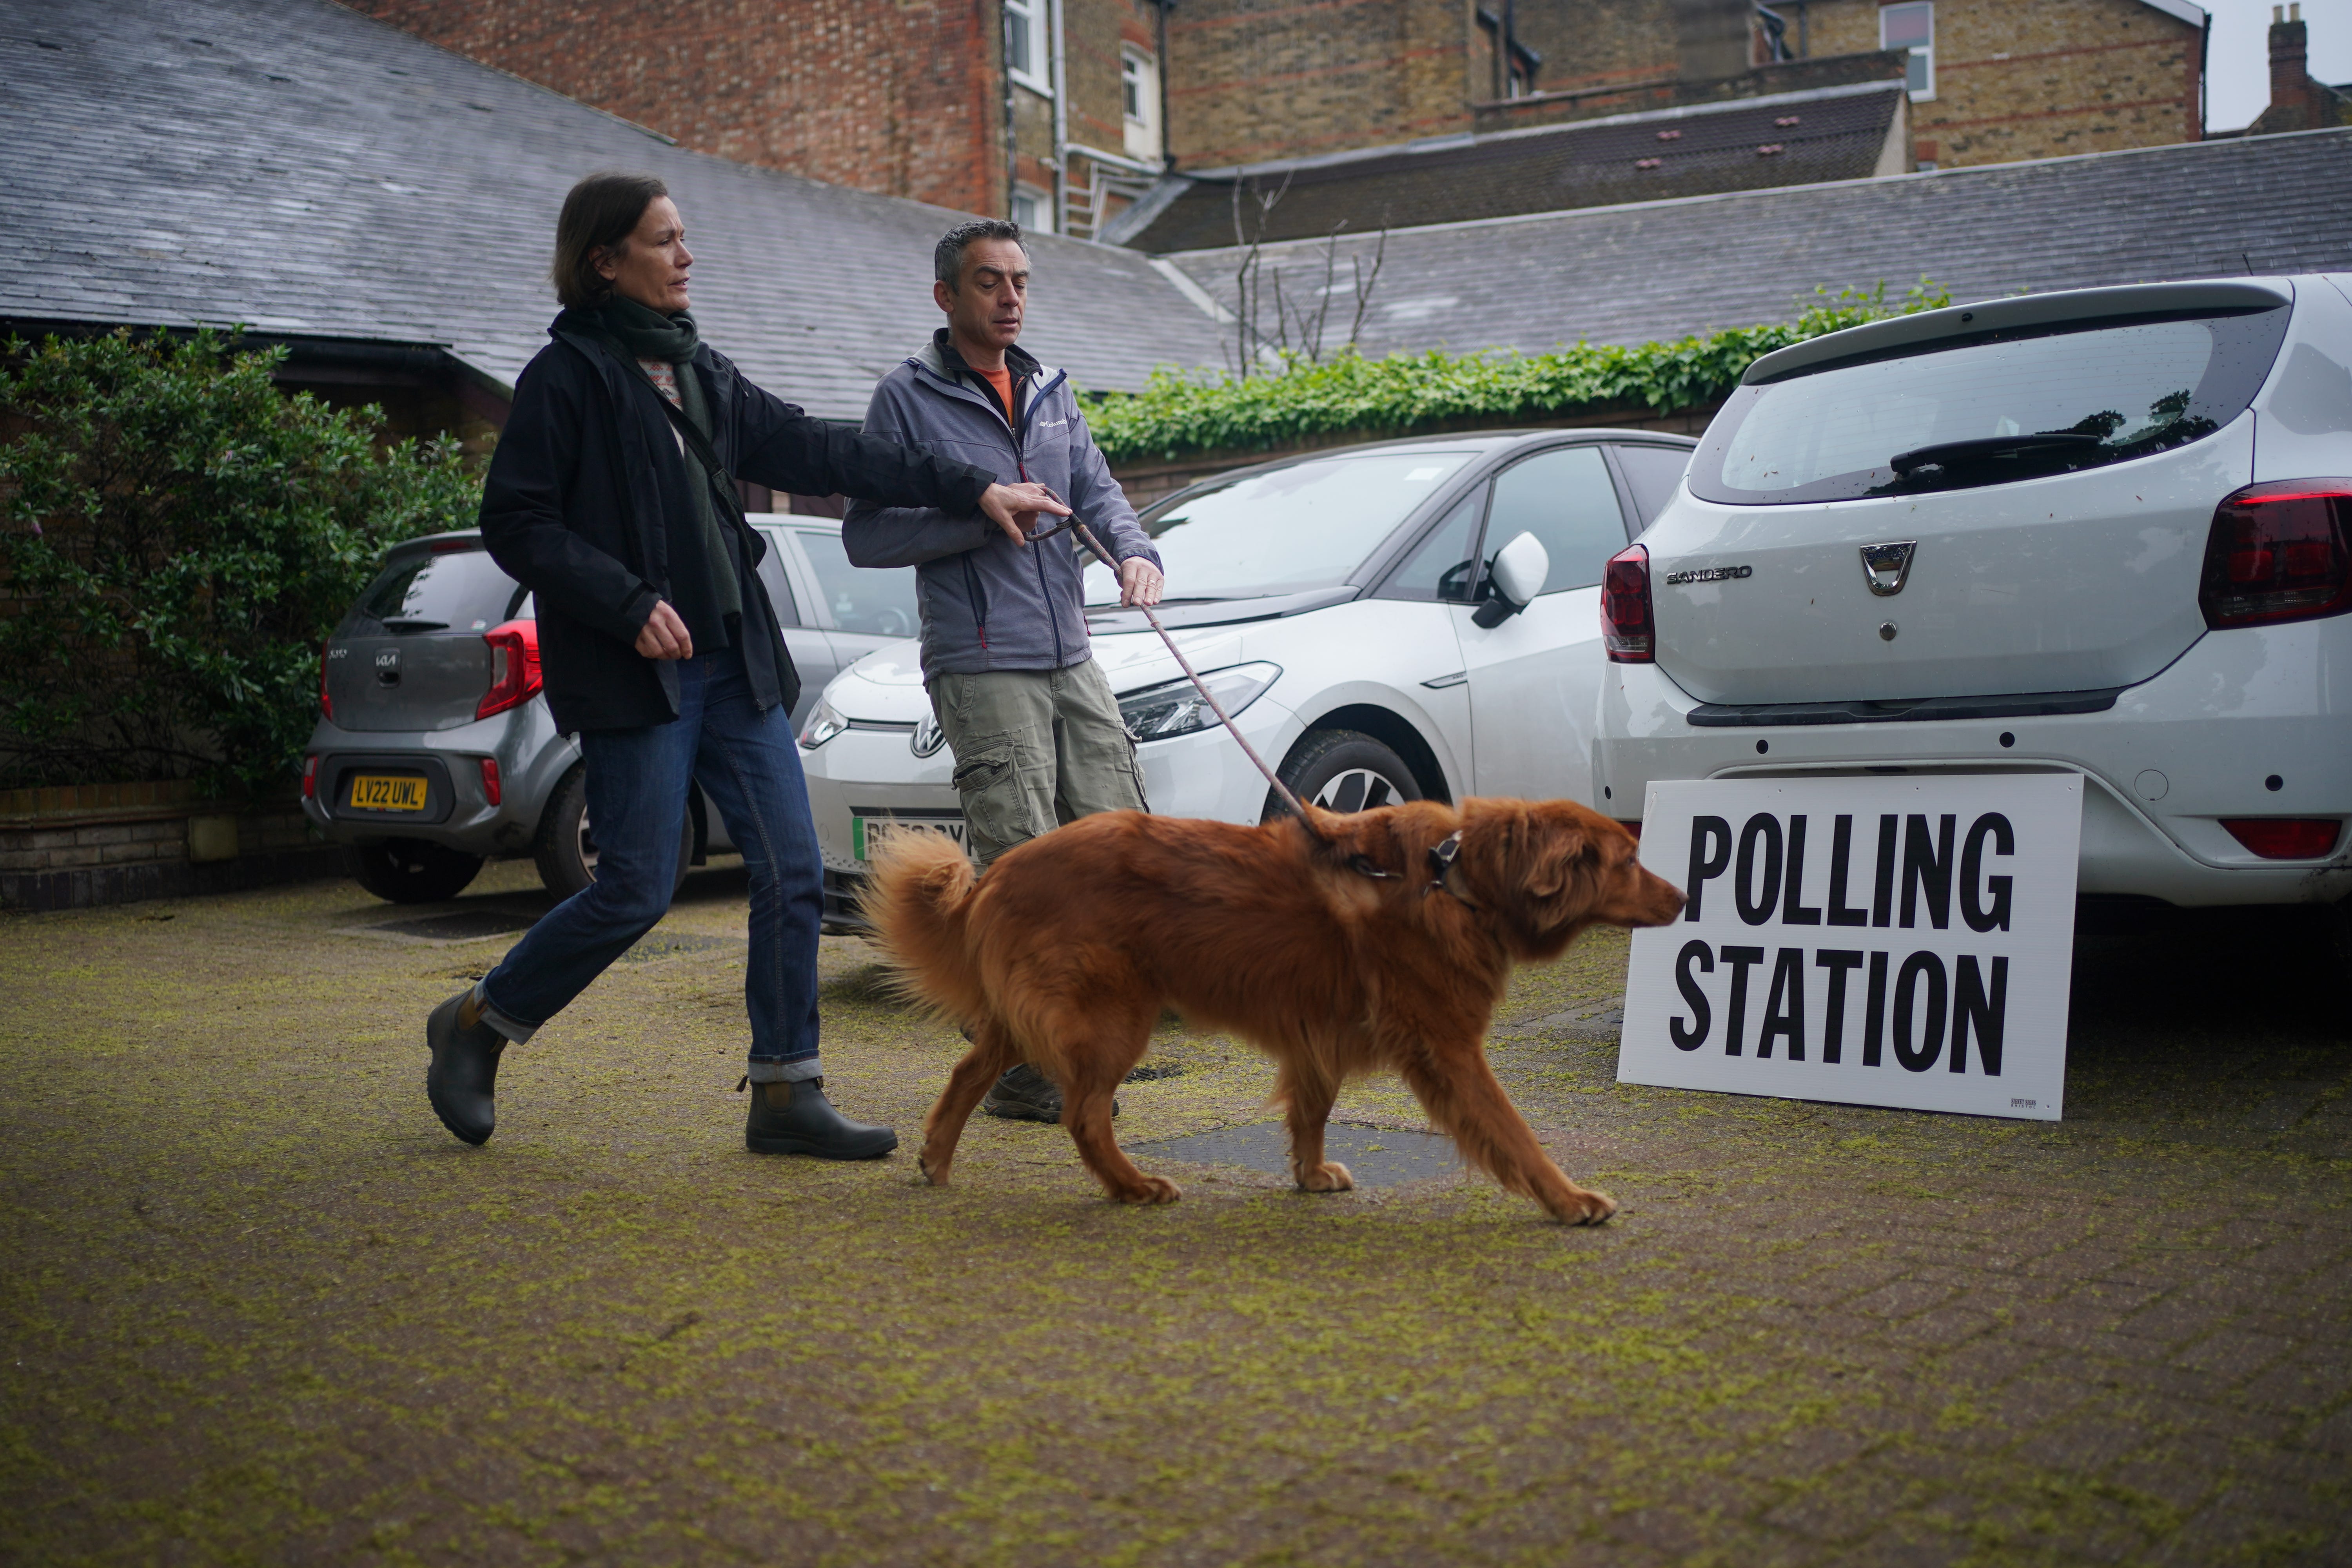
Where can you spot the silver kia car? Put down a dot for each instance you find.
(434, 750)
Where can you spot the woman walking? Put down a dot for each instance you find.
(611, 496)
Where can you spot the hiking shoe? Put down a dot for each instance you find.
(462, 1082)
(797, 1119)
(1024, 1094)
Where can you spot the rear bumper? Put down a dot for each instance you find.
(2175, 754)
(531, 757)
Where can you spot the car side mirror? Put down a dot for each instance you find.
(1516, 576)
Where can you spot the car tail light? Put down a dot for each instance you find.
(2285, 838)
(514, 666)
(1627, 629)
(310, 777)
(490, 780)
(2279, 552)
(326, 699)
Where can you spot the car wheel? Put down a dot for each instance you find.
(411, 871)
(1343, 770)
(566, 847)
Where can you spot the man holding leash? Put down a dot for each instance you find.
(1036, 731)
(611, 496)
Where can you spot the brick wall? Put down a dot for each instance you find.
(2039, 79)
(1252, 80)
(899, 96)
(110, 844)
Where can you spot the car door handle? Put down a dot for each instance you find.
(1443, 681)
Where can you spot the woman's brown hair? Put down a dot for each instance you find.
(600, 212)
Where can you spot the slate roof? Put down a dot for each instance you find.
(297, 166)
(1662, 269)
(1785, 139)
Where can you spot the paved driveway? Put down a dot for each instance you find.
(258, 1306)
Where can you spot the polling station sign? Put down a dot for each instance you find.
(1905, 941)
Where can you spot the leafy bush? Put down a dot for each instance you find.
(1178, 414)
(176, 537)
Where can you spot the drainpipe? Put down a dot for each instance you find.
(2204, 53)
(1004, 77)
(1167, 136)
(1061, 131)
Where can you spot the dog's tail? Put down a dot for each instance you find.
(915, 899)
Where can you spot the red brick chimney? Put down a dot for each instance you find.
(2298, 102)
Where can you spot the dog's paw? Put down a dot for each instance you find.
(1584, 1206)
(933, 1175)
(1328, 1177)
(1152, 1189)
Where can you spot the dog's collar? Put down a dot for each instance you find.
(1442, 855)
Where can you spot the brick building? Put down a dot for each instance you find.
(1997, 80)
(1047, 109)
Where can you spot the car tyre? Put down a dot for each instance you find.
(1344, 770)
(565, 849)
(411, 871)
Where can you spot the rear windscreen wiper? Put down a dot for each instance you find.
(411, 623)
(1946, 454)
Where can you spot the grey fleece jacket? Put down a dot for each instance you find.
(988, 604)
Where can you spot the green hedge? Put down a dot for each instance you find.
(176, 537)
(1178, 414)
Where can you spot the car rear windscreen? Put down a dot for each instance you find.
(1987, 410)
(455, 590)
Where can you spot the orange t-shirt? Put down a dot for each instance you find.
(1001, 380)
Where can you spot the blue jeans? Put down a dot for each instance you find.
(638, 790)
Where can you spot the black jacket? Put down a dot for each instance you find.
(588, 468)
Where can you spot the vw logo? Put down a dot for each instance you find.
(928, 740)
(1885, 566)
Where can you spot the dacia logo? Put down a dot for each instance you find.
(1885, 566)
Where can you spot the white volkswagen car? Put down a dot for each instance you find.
(2102, 532)
(1344, 607)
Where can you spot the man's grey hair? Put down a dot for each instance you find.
(947, 256)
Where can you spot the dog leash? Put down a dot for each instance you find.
(1087, 537)
(1441, 855)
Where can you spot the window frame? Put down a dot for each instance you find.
(1918, 52)
(1041, 204)
(1480, 481)
(1034, 17)
(1485, 588)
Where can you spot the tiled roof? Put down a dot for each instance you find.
(1662, 269)
(295, 166)
(1787, 138)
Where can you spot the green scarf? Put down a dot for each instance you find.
(638, 333)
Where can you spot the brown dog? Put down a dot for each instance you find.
(1385, 944)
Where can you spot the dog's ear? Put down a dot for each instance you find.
(1556, 848)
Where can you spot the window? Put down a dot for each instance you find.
(442, 589)
(1305, 525)
(1033, 209)
(1139, 93)
(1026, 53)
(876, 600)
(1912, 26)
(1566, 499)
(1442, 565)
(2069, 398)
(1654, 473)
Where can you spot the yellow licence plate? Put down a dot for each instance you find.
(386, 791)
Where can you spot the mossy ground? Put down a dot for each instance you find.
(260, 1307)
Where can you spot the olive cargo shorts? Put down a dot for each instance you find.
(1034, 749)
